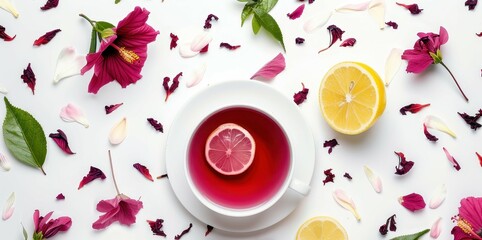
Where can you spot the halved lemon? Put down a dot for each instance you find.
(352, 97)
(321, 228)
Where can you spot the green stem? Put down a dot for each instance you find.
(113, 176)
(42, 169)
(455, 80)
(88, 19)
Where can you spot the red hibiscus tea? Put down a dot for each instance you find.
(261, 181)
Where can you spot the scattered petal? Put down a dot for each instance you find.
(46, 38)
(317, 22)
(413, 202)
(4, 163)
(9, 207)
(163, 176)
(356, 7)
(299, 40)
(109, 109)
(170, 89)
(118, 132)
(271, 69)
(471, 4)
(374, 179)
(155, 124)
(376, 9)
(93, 174)
(229, 46)
(177, 237)
(346, 202)
(389, 225)
(349, 42)
(437, 123)
(61, 140)
(392, 65)
(72, 113)
(404, 166)
(3, 90)
(5, 36)
(28, 77)
(330, 144)
(50, 4)
(413, 108)
(347, 175)
(451, 159)
(438, 197)
(174, 39)
(297, 12)
(60, 197)
(204, 49)
(428, 135)
(196, 75)
(7, 6)
(413, 8)
(436, 228)
(329, 176)
(120, 209)
(209, 229)
(69, 64)
(300, 96)
(207, 22)
(394, 25)
(186, 52)
(479, 34)
(335, 35)
(144, 171)
(472, 120)
(479, 157)
(156, 227)
(200, 41)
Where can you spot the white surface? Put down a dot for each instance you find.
(374, 148)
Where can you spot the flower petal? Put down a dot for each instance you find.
(354, 7)
(144, 171)
(174, 39)
(186, 52)
(69, 64)
(72, 113)
(3, 89)
(349, 42)
(392, 65)
(451, 159)
(376, 9)
(118, 132)
(413, 108)
(436, 228)
(196, 75)
(200, 41)
(317, 22)
(297, 12)
(93, 174)
(346, 202)
(374, 179)
(9, 207)
(155, 124)
(46, 38)
(301, 95)
(156, 227)
(4, 163)
(438, 197)
(7, 6)
(50, 4)
(28, 77)
(110, 108)
(413, 202)
(61, 140)
(271, 69)
(479, 157)
(437, 123)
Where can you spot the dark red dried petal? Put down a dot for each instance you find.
(329, 176)
(335, 35)
(174, 39)
(177, 237)
(299, 40)
(412, 202)
(5, 36)
(311, 1)
(348, 176)
(156, 227)
(229, 46)
(349, 42)
(413, 108)
(207, 22)
(478, 34)
(300, 96)
(413, 8)
(394, 25)
(50, 4)
(29, 78)
(472, 120)
(390, 224)
(404, 166)
(60, 196)
(143, 170)
(393, 224)
(165, 84)
(479, 157)
(209, 229)
(297, 12)
(330, 144)
(428, 135)
(155, 124)
(61, 140)
(163, 176)
(46, 38)
(204, 49)
(471, 4)
(111, 108)
(170, 89)
(93, 174)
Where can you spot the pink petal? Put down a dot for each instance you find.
(436, 228)
(72, 113)
(9, 207)
(272, 68)
(93, 174)
(144, 171)
(417, 61)
(451, 159)
(444, 36)
(349, 42)
(297, 12)
(200, 41)
(355, 7)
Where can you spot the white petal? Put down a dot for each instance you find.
(354, 7)
(72, 113)
(200, 41)
(374, 179)
(437, 123)
(69, 64)
(185, 50)
(376, 9)
(5, 4)
(4, 163)
(9, 207)
(436, 228)
(346, 202)
(438, 196)
(317, 21)
(3, 90)
(197, 75)
(392, 65)
(119, 132)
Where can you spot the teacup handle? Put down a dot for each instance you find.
(299, 187)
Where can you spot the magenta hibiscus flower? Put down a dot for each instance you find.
(46, 227)
(122, 53)
(469, 220)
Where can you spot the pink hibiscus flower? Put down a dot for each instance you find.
(46, 227)
(426, 51)
(122, 55)
(469, 220)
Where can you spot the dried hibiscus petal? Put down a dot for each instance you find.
(155, 124)
(335, 35)
(394, 25)
(349, 42)
(413, 202)
(297, 12)
(428, 135)
(177, 237)
(229, 46)
(479, 157)
(413, 108)
(413, 8)
(174, 39)
(404, 166)
(143, 170)
(28, 77)
(111, 108)
(156, 227)
(300, 96)
(452, 159)
(5, 36)
(93, 174)
(471, 4)
(207, 22)
(204, 49)
(330, 177)
(330, 144)
(46, 38)
(60, 197)
(389, 225)
(170, 89)
(478, 34)
(61, 140)
(209, 229)
(472, 120)
(50, 4)
(348, 176)
(299, 40)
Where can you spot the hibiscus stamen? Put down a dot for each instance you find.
(128, 55)
(467, 228)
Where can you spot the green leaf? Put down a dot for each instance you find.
(117, 1)
(25, 234)
(247, 11)
(101, 25)
(266, 5)
(267, 22)
(414, 236)
(93, 41)
(255, 25)
(24, 137)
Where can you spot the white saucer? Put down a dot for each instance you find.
(239, 93)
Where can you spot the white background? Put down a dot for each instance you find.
(375, 148)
